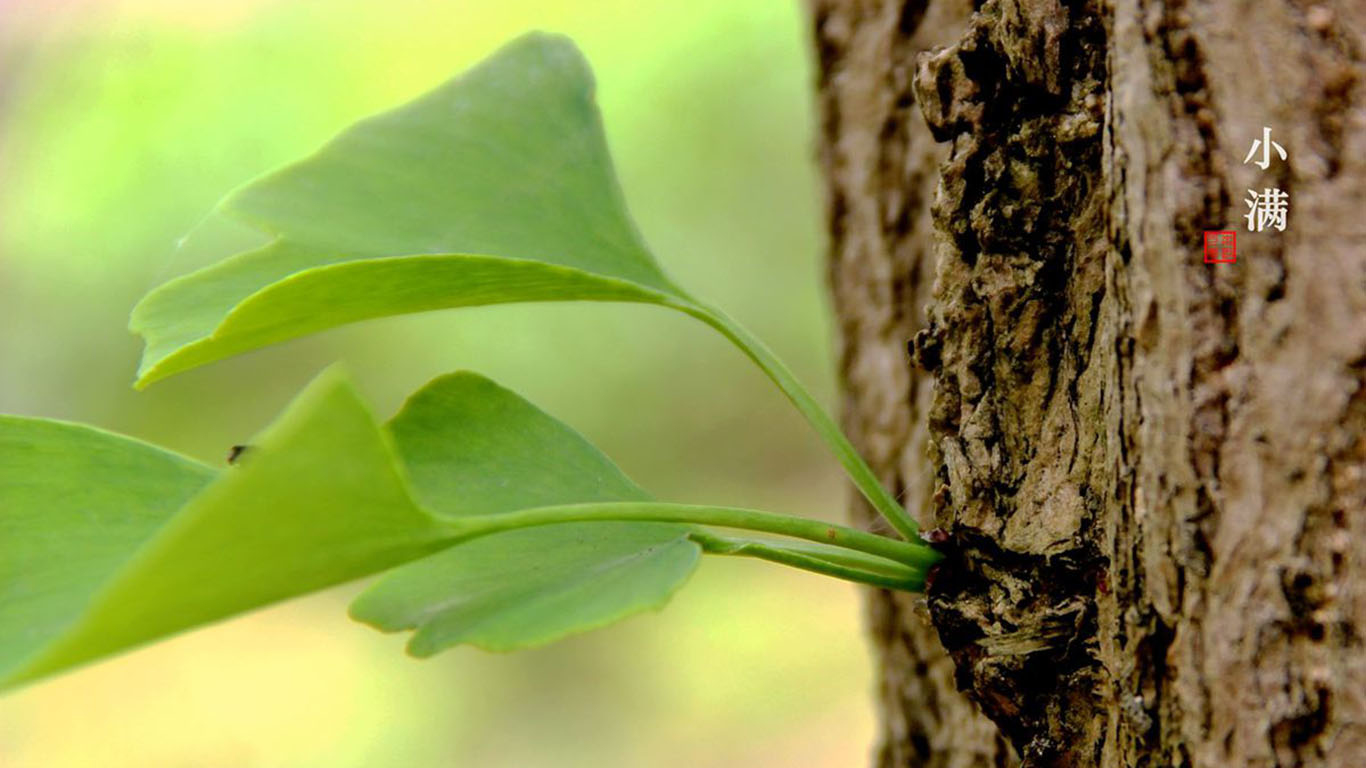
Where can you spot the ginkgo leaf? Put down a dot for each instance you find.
(472, 448)
(319, 500)
(110, 543)
(495, 187)
(75, 504)
(532, 586)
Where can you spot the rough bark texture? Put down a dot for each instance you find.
(1152, 470)
(883, 167)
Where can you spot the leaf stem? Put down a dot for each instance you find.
(854, 465)
(906, 552)
(842, 564)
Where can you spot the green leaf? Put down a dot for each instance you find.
(110, 543)
(75, 504)
(319, 500)
(532, 586)
(507, 528)
(496, 187)
(474, 448)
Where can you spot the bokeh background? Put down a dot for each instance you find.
(121, 124)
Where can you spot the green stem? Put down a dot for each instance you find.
(857, 469)
(909, 553)
(842, 564)
(838, 555)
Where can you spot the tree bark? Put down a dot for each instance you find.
(1151, 470)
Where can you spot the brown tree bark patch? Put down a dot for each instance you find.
(1021, 340)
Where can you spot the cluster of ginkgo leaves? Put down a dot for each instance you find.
(498, 526)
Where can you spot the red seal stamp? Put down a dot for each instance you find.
(1221, 247)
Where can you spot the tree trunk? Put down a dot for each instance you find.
(1151, 470)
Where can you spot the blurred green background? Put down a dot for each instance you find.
(122, 123)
